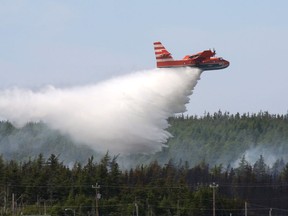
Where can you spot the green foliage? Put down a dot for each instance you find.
(46, 185)
(175, 182)
(219, 138)
(37, 138)
(222, 138)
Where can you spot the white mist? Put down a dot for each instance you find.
(127, 114)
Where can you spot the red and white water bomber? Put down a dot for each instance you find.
(205, 60)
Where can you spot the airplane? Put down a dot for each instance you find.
(204, 60)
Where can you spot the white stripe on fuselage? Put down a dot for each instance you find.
(164, 60)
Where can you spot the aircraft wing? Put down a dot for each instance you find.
(202, 55)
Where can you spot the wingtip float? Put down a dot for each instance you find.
(205, 60)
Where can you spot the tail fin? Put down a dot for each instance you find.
(162, 55)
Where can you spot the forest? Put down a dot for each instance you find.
(44, 172)
(220, 138)
(46, 186)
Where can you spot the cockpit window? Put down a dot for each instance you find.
(193, 56)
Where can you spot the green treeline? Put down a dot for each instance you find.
(37, 138)
(246, 155)
(219, 138)
(222, 138)
(47, 186)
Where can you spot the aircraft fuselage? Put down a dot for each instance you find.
(204, 60)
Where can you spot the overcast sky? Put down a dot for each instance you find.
(72, 42)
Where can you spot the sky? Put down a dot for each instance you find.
(74, 43)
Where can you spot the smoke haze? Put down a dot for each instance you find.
(127, 114)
